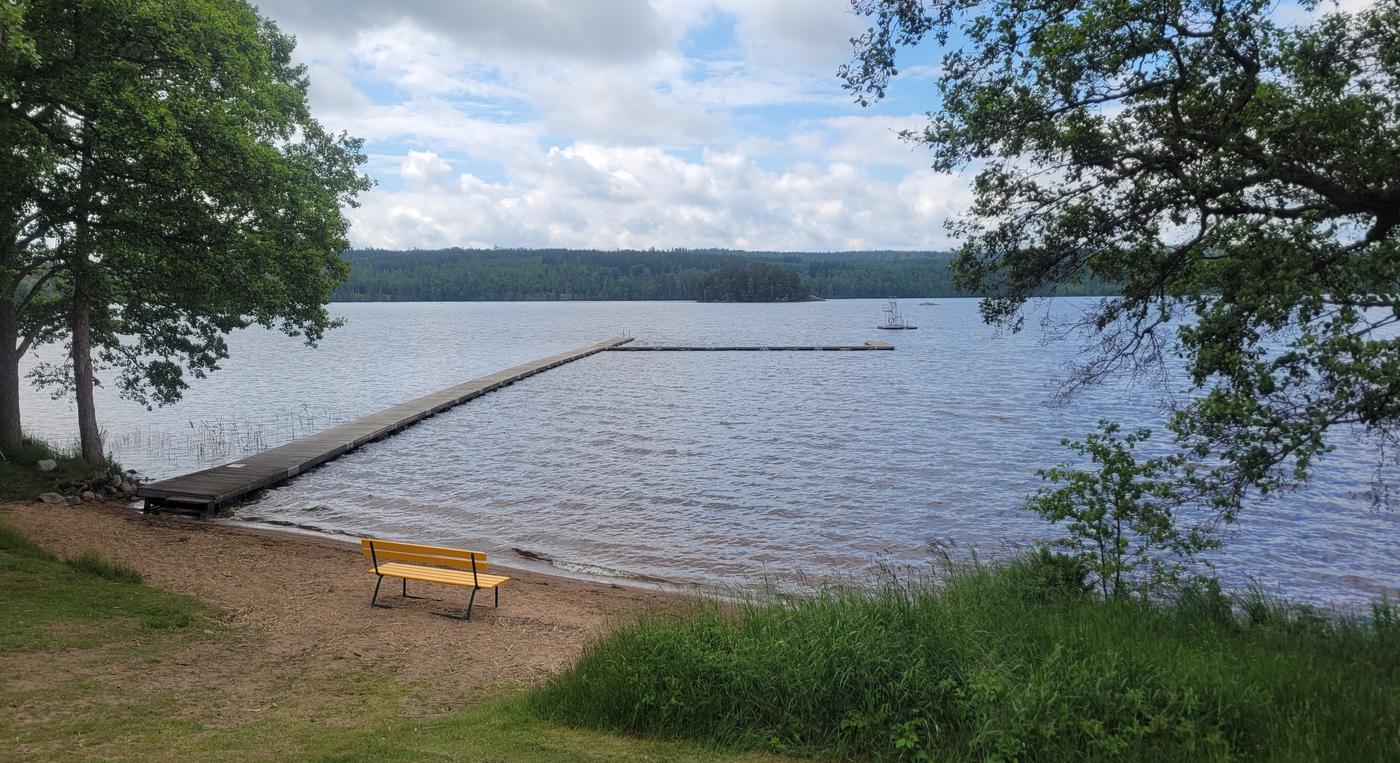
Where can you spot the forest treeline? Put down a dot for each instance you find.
(461, 275)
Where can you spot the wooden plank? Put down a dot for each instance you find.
(220, 485)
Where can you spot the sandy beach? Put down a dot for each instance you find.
(297, 607)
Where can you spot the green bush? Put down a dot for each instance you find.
(1130, 521)
(975, 669)
(22, 480)
(1043, 574)
(32, 450)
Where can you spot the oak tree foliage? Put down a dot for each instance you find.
(1236, 172)
(166, 184)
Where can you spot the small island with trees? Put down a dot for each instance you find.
(752, 282)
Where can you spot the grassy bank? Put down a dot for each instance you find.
(94, 664)
(996, 666)
(51, 604)
(21, 479)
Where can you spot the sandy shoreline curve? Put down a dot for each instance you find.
(304, 602)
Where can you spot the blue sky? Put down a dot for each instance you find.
(669, 123)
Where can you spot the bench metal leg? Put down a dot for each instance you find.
(405, 591)
(465, 616)
(372, 599)
(498, 596)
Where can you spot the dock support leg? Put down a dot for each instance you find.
(376, 593)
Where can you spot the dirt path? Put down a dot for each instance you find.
(299, 610)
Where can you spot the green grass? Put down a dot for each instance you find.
(499, 729)
(991, 665)
(97, 629)
(52, 604)
(95, 564)
(22, 480)
(368, 719)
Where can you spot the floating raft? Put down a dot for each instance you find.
(212, 489)
(788, 348)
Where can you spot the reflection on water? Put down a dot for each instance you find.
(685, 466)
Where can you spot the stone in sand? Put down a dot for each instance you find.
(47, 465)
(88, 496)
(53, 498)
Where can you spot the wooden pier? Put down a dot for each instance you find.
(874, 345)
(212, 489)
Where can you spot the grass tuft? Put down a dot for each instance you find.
(93, 563)
(43, 593)
(1007, 662)
(13, 543)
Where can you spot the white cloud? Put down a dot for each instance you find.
(811, 34)
(618, 30)
(863, 140)
(618, 105)
(668, 123)
(589, 195)
(331, 91)
(443, 126)
(424, 169)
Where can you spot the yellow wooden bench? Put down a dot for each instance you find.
(431, 564)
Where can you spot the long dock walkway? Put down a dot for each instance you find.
(872, 345)
(212, 489)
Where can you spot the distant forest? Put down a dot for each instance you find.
(465, 275)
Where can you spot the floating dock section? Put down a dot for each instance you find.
(782, 348)
(212, 489)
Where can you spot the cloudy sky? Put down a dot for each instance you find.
(619, 124)
(626, 123)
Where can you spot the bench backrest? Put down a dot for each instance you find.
(378, 551)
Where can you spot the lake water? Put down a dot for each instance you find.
(695, 467)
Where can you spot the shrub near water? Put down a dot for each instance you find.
(21, 479)
(989, 666)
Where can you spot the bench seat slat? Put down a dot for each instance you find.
(435, 575)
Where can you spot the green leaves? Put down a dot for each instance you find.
(1125, 519)
(1237, 176)
(187, 183)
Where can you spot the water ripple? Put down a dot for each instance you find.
(706, 466)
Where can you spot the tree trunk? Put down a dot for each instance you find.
(89, 437)
(10, 432)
